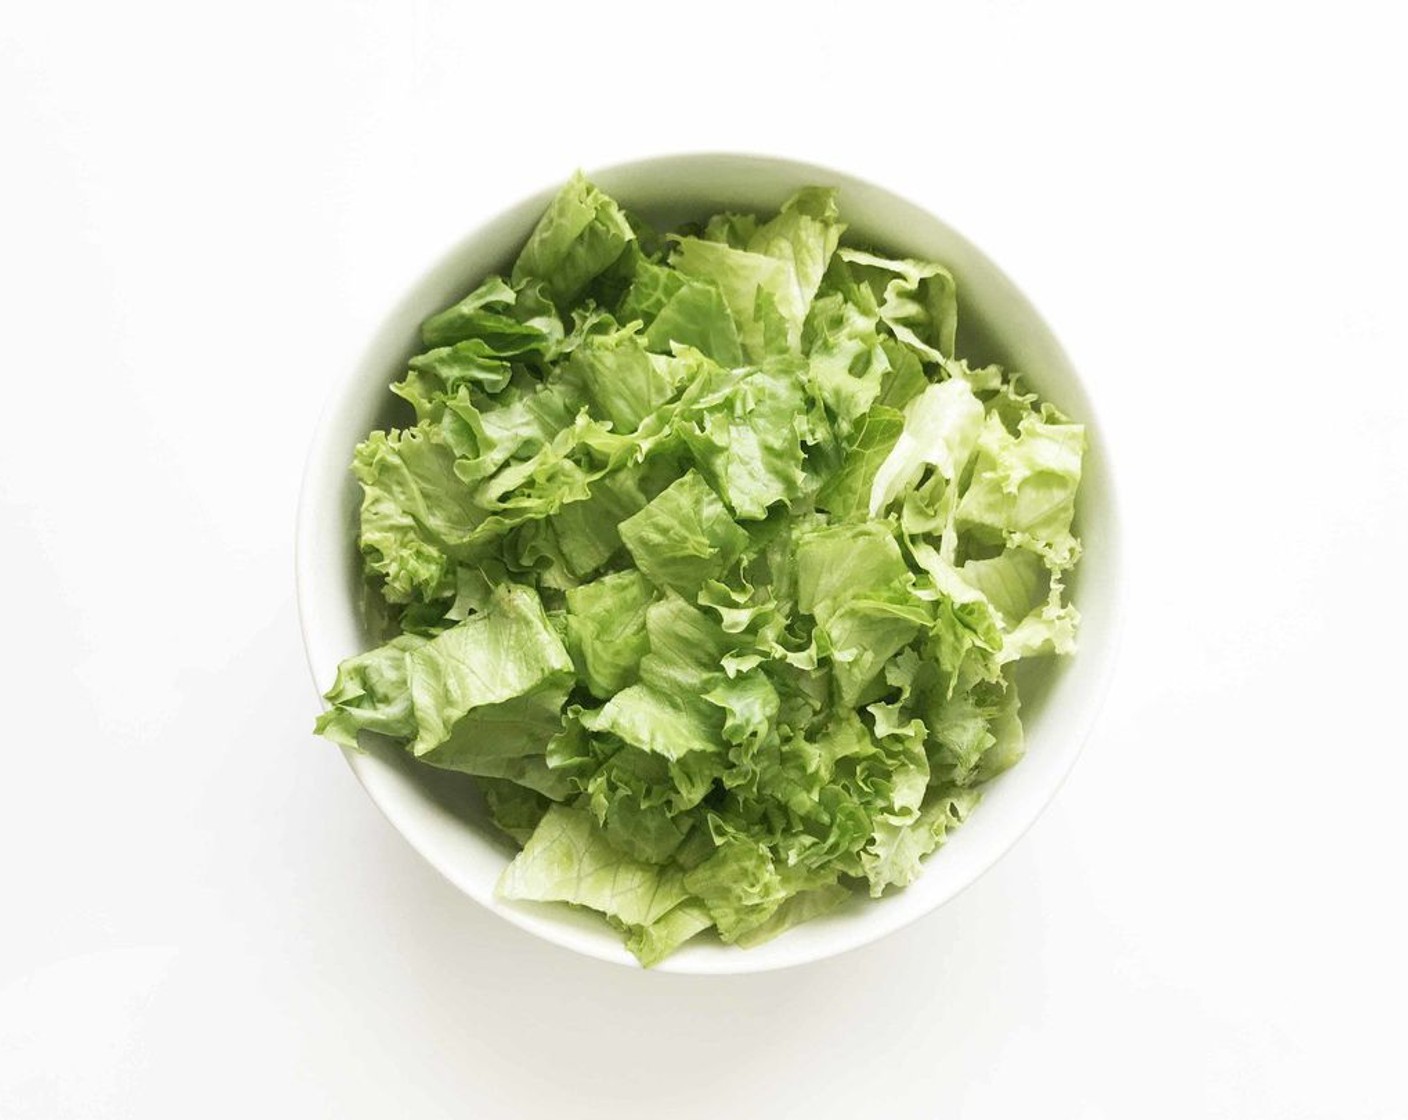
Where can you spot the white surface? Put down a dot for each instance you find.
(1057, 714)
(204, 212)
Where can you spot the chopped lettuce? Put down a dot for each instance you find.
(710, 561)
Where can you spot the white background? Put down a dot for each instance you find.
(205, 209)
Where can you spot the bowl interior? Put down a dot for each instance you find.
(440, 813)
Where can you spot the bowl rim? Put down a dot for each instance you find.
(317, 486)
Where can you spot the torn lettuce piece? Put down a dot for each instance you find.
(917, 300)
(743, 278)
(370, 694)
(848, 364)
(942, 427)
(739, 885)
(1023, 491)
(836, 561)
(606, 630)
(684, 536)
(769, 284)
(846, 493)
(587, 533)
(509, 740)
(744, 435)
(580, 236)
(658, 722)
(854, 580)
(499, 655)
(800, 907)
(516, 810)
(652, 943)
(416, 511)
(677, 310)
(804, 235)
(466, 318)
(624, 381)
(892, 858)
(568, 859)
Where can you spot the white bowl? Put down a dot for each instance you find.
(440, 814)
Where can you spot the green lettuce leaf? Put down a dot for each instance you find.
(846, 493)
(744, 436)
(853, 579)
(467, 318)
(568, 859)
(893, 856)
(1024, 486)
(654, 942)
(657, 722)
(370, 694)
(776, 275)
(580, 236)
(416, 512)
(941, 430)
(515, 809)
(800, 907)
(606, 631)
(499, 655)
(742, 278)
(917, 300)
(624, 381)
(684, 536)
(677, 310)
(509, 740)
(847, 361)
(804, 235)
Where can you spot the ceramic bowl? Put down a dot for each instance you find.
(440, 814)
